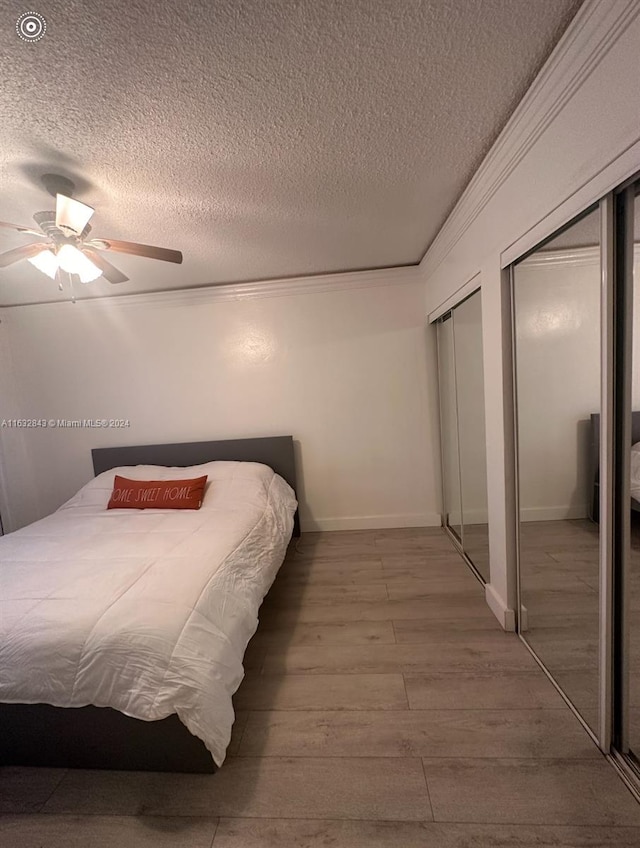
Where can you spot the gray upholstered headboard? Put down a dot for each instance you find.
(594, 458)
(274, 451)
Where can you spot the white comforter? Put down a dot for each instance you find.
(150, 611)
(635, 471)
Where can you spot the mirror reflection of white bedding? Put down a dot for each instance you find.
(635, 471)
(145, 611)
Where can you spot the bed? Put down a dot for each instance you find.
(123, 665)
(594, 463)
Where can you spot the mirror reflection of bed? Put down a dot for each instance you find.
(140, 624)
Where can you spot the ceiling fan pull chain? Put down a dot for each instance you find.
(60, 276)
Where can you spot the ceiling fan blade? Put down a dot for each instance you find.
(109, 271)
(71, 214)
(18, 253)
(20, 229)
(136, 249)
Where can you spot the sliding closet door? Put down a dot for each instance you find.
(557, 325)
(471, 429)
(464, 468)
(452, 507)
(627, 490)
(633, 570)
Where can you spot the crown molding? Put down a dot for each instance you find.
(284, 287)
(594, 31)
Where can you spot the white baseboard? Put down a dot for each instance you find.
(527, 513)
(469, 516)
(505, 615)
(475, 516)
(371, 522)
(553, 513)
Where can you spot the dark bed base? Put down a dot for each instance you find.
(102, 738)
(94, 737)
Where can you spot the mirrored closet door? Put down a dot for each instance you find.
(633, 566)
(626, 571)
(557, 352)
(576, 348)
(452, 506)
(462, 418)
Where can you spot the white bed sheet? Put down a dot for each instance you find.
(635, 471)
(145, 611)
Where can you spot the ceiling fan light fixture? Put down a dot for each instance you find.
(73, 261)
(68, 248)
(72, 214)
(47, 262)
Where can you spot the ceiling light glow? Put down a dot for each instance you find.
(47, 262)
(73, 261)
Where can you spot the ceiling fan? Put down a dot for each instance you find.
(66, 246)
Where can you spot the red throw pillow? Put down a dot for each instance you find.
(157, 494)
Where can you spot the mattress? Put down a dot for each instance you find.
(145, 611)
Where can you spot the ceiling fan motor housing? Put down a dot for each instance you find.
(47, 223)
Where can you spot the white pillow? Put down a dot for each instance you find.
(96, 492)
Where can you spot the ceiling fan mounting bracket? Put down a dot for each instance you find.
(57, 184)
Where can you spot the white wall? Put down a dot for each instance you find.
(348, 371)
(12, 446)
(575, 136)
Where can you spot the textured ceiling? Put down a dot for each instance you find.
(263, 138)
